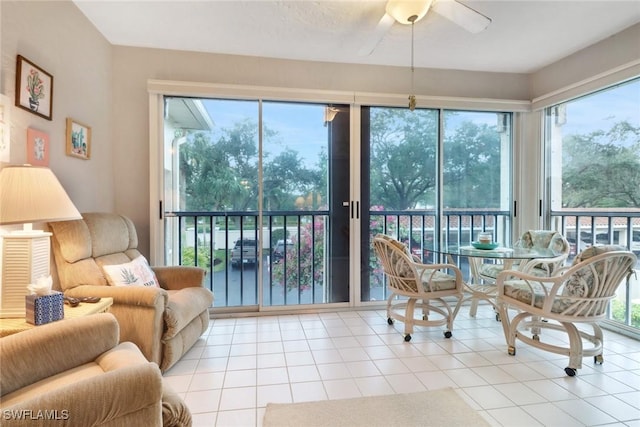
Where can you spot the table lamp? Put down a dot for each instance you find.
(28, 194)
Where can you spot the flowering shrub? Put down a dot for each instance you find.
(304, 260)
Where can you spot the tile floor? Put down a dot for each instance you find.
(240, 364)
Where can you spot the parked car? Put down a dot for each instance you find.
(244, 252)
(278, 252)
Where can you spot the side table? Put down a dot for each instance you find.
(11, 326)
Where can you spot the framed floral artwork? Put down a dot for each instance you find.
(78, 139)
(34, 88)
(37, 148)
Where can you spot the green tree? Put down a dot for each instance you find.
(286, 178)
(472, 171)
(403, 157)
(222, 174)
(601, 169)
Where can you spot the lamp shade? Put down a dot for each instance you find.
(33, 194)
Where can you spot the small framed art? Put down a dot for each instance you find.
(34, 88)
(37, 148)
(78, 139)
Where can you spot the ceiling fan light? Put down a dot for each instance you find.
(402, 10)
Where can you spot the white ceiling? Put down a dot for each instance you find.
(523, 37)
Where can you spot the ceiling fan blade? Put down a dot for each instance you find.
(462, 15)
(374, 39)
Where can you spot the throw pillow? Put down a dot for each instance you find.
(134, 273)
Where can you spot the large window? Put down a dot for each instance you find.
(428, 183)
(593, 165)
(273, 196)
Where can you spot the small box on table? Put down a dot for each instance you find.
(41, 309)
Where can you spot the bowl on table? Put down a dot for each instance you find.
(481, 245)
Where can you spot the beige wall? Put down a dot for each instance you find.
(105, 87)
(619, 51)
(58, 38)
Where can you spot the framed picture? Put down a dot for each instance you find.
(37, 148)
(78, 139)
(34, 88)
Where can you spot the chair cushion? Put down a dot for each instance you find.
(438, 281)
(581, 283)
(492, 270)
(544, 239)
(183, 306)
(520, 290)
(110, 233)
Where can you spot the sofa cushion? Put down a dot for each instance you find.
(184, 306)
(133, 273)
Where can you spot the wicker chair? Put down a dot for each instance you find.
(579, 294)
(428, 283)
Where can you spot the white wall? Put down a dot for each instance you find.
(57, 37)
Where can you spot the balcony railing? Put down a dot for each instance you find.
(289, 281)
(584, 228)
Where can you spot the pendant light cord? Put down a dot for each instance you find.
(412, 97)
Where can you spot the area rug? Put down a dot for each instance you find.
(430, 408)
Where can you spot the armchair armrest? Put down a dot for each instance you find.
(144, 296)
(179, 276)
(139, 310)
(88, 336)
(99, 399)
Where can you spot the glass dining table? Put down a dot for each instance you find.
(482, 288)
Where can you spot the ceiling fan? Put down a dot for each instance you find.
(409, 12)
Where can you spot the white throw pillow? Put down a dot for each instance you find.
(134, 273)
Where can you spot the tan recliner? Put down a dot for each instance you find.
(73, 372)
(164, 322)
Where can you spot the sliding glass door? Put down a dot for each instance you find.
(433, 176)
(253, 193)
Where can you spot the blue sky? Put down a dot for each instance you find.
(301, 126)
(602, 110)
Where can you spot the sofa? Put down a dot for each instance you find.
(164, 313)
(73, 372)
